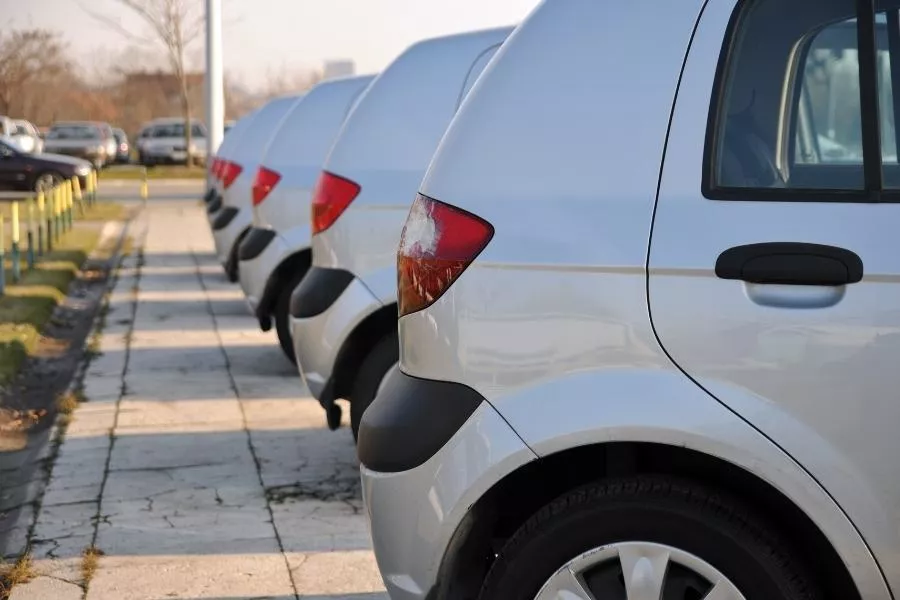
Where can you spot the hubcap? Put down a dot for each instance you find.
(638, 571)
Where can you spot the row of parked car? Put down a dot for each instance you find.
(597, 301)
(160, 141)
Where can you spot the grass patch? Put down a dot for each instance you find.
(133, 173)
(29, 304)
(11, 575)
(101, 211)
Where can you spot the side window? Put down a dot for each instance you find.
(198, 131)
(790, 112)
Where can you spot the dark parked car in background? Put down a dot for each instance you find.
(123, 148)
(22, 171)
(82, 139)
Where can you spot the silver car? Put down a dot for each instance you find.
(647, 330)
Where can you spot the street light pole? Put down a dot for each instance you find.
(215, 88)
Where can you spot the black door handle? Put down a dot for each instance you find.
(790, 263)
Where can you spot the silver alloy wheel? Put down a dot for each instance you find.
(645, 569)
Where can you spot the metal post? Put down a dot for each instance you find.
(30, 234)
(41, 222)
(14, 254)
(215, 90)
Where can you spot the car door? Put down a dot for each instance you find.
(774, 261)
(12, 169)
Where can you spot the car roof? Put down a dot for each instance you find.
(234, 136)
(575, 106)
(308, 131)
(252, 145)
(398, 122)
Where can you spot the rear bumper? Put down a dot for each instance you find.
(226, 236)
(415, 514)
(325, 309)
(260, 253)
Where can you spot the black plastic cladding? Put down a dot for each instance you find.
(411, 419)
(318, 291)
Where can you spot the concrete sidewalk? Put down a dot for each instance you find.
(199, 468)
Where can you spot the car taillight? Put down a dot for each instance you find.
(332, 196)
(265, 180)
(437, 244)
(230, 172)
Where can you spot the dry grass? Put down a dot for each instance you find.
(68, 402)
(11, 575)
(90, 560)
(134, 172)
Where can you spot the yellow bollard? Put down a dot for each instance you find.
(67, 207)
(145, 189)
(57, 202)
(14, 255)
(41, 222)
(79, 198)
(30, 234)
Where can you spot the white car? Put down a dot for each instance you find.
(276, 253)
(163, 141)
(648, 349)
(344, 313)
(28, 137)
(231, 222)
(218, 164)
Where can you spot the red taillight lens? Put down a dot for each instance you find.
(265, 180)
(438, 242)
(230, 172)
(332, 196)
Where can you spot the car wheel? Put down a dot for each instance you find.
(47, 181)
(371, 377)
(647, 537)
(283, 316)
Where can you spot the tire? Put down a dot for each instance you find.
(282, 317)
(383, 356)
(657, 510)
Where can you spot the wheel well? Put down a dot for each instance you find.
(233, 255)
(358, 345)
(298, 262)
(505, 507)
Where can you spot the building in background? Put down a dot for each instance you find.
(338, 68)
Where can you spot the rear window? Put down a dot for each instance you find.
(73, 132)
(175, 130)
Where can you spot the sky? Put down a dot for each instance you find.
(261, 37)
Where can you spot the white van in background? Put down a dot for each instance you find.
(276, 254)
(344, 313)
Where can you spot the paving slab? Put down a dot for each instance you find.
(200, 468)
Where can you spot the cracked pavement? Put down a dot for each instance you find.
(199, 467)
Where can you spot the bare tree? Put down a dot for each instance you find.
(28, 56)
(173, 24)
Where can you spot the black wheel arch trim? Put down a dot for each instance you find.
(255, 243)
(318, 291)
(411, 419)
(224, 218)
